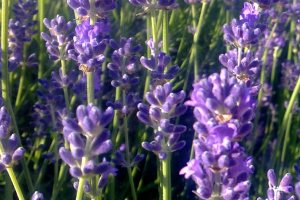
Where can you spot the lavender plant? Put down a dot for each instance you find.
(149, 99)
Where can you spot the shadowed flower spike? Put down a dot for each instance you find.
(11, 152)
(164, 105)
(20, 30)
(88, 137)
(37, 196)
(89, 44)
(60, 39)
(282, 191)
(100, 9)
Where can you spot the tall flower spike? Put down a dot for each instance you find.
(164, 105)
(60, 39)
(88, 138)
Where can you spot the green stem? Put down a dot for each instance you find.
(65, 89)
(127, 151)
(15, 183)
(286, 138)
(166, 178)
(196, 38)
(165, 32)
(90, 87)
(41, 14)
(21, 86)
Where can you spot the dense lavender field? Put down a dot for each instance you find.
(150, 99)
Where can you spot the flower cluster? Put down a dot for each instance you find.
(88, 139)
(10, 152)
(60, 39)
(21, 29)
(164, 105)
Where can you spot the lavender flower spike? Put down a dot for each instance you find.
(11, 152)
(164, 105)
(89, 139)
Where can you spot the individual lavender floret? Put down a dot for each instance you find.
(88, 139)
(220, 100)
(283, 190)
(37, 196)
(10, 151)
(160, 4)
(60, 39)
(90, 43)
(164, 105)
(21, 29)
(248, 68)
(157, 66)
(100, 9)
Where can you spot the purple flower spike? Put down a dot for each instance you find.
(11, 153)
(220, 101)
(88, 139)
(100, 8)
(21, 29)
(89, 44)
(164, 106)
(59, 41)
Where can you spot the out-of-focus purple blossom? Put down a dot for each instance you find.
(246, 70)
(196, 1)
(220, 101)
(121, 160)
(266, 3)
(88, 138)
(290, 73)
(99, 10)
(160, 4)
(164, 105)
(89, 44)
(250, 14)
(21, 30)
(37, 196)
(282, 191)
(10, 152)
(60, 39)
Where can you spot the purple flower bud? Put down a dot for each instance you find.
(37, 196)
